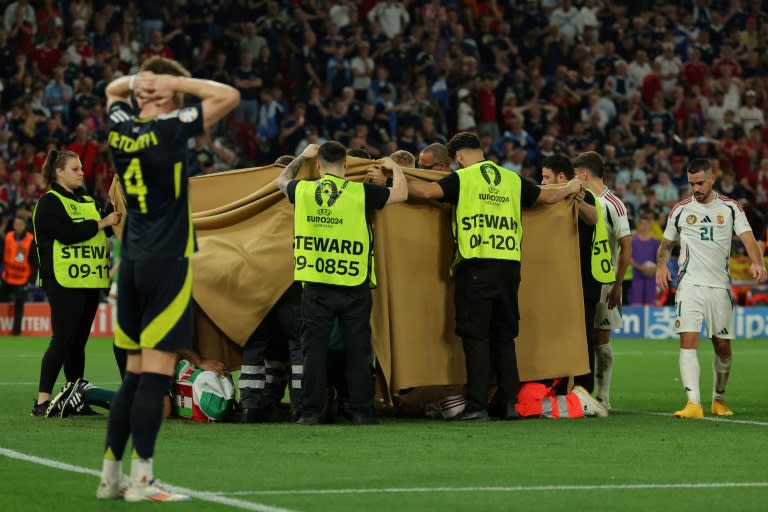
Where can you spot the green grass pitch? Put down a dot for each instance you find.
(638, 459)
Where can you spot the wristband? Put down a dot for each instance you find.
(131, 82)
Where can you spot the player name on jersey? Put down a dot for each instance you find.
(128, 144)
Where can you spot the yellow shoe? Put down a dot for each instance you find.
(719, 408)
(691, 410)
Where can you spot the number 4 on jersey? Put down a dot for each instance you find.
(134, 184)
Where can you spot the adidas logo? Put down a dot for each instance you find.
(723, 332)
(605, 322)
(706, 219)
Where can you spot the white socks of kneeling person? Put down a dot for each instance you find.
(690, 372)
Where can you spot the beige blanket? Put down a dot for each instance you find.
(245, 262)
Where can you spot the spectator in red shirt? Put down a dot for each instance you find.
(651, 84)
(29, 164)
(740, 154)
(727, 59)
(80, 51)
(157, 47)
(49, 20)
(87, 150)
(47, 54)
(695, 72)
(689, 119)
(487, 113)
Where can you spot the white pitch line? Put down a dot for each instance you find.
(509, 489)
(714, 419)
(203, 496)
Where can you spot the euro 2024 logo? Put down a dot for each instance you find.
(326, 191)
(486, 170)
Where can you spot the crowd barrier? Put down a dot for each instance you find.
(658, 323)
(37, 320)
(652, 322)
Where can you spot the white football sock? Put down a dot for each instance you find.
(689, 374)
(604, 367)
(111, 470)
(721, 369)
(141, 471)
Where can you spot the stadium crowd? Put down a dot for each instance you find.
(648, 88)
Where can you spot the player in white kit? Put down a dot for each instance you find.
(704, 224)
(589, 167)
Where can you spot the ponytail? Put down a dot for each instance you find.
(56, 159)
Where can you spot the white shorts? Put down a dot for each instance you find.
(695, 304)
(607, 319)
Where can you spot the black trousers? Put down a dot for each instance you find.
(272, 356)
(587, 381)
(487, 320)
(18, 294)
(72, 314)
(321, 304)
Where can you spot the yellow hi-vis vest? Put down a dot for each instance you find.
(602, 259)
(84, 264)
(487, 223)
(331, 237)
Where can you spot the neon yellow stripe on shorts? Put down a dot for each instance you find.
(162, 324)
(124, 341)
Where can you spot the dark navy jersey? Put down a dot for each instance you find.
(151, 156)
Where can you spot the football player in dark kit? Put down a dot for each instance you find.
(154, 312)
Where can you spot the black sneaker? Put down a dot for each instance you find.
(39, 409)
(74, 403)
(57, 402)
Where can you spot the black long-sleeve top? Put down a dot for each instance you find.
(53, 223)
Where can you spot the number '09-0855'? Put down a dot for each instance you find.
(329, 265)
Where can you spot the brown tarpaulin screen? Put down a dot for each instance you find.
(245, 262)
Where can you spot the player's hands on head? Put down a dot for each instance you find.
(310, 151)
(144, 85)
(149, 87)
